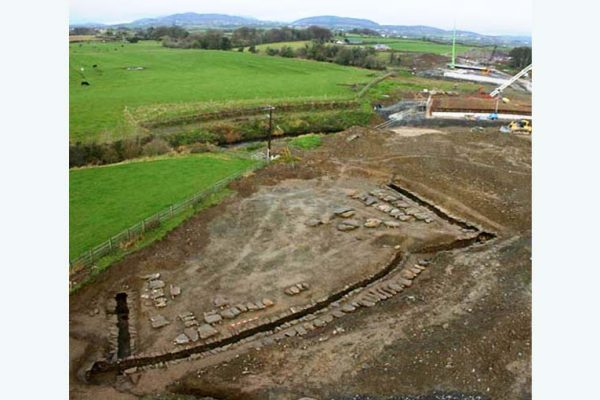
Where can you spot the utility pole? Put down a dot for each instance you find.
(270, 109)
(454, 47)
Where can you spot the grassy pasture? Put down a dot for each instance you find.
(106, 200)
(98, 112)
(412, 45)
(262, 48)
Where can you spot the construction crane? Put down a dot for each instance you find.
(509, 82)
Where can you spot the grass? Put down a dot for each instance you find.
(99, 112)
(149, 237)
(106, 200)
(262, 48)
(412, 45)
(306, 142)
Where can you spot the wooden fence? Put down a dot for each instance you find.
(134, 232)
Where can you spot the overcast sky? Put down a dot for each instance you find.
(483, 16)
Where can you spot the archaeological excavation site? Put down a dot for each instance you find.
(389, 263)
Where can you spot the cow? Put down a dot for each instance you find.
(85, 83)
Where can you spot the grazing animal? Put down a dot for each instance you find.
(85, 83)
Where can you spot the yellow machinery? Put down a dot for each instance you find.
(521, 126)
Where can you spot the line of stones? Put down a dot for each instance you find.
(368, 296)
(237, 336)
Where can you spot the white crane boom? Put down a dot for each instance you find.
(509, 82)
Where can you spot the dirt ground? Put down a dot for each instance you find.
(462, 327)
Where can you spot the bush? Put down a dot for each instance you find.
(203, 148)
(131, 149)
(155, 147)
(306, 142)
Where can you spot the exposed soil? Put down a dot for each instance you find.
(462, 329)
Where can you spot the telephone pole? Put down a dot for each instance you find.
(270, 134)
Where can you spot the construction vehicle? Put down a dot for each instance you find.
(518, 126)
(512, 80)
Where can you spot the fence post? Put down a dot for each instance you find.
(143, 226)
(128, 234)
(110, 246)
(171, 209)
(91, 254)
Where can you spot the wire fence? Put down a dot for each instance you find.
(134, 232)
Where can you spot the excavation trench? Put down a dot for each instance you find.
(123, 338)
(437, 211)
(104, 366)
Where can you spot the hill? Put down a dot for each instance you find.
(195, 19)
(191, 19)
(331, 21)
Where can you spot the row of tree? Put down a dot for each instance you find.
(364, 57)
(241, 37)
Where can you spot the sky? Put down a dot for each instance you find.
(510, 17)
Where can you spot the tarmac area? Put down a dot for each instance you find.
(382, 265)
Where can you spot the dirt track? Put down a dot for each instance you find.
(463, 326)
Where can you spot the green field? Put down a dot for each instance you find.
(412, 45)
(278, 45)
(106, 200)
(98, 112)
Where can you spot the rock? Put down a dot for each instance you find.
(342, 210)
(392, 224)
(401, 204)
(352, 193)
(319, 323)
(251, 306)
(205, 331)
(186, 315)
(241, 307)
(182, 339)
(158, 321)
(395, 287)
(304, 286)
(347, 214)
(345, 227)
(408, 274)
(175, 291)
(337, 313)
(191, 333)
(152, 277)
(372, 223)
(300, 330)
(395, 211)
(228, 314)
(348, 225)
(156, 293)
(156, 284)
(212, 318)
(267, 302)
(403, 218)
(384, 207)
(412, 210)
(294, 290)
(405, 282)
(160, 302)
(366, 303)
(291, 333)
(369, 201)
(190, 322)
(313, 222)
(348, 308)
(220, 301)
(348, 139)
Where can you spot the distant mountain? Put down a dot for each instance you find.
(194, 19)
(190, 19)
(331, 21)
